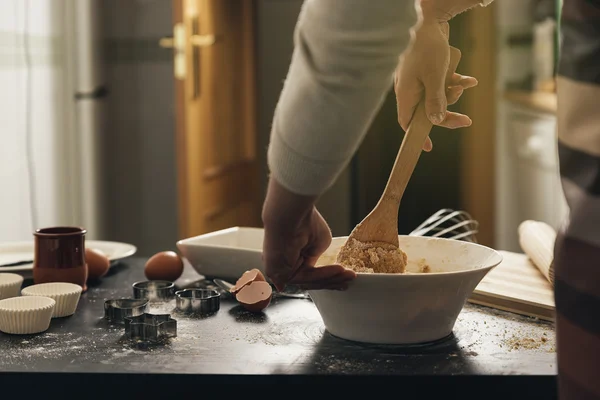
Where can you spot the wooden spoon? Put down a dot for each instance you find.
(381, 224)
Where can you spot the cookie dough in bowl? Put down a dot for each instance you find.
(416, 306)
(372, 257)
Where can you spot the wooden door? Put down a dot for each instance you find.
(213, 45)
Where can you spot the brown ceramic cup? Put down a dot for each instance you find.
(59, 255)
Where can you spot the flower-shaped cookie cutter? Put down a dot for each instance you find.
(198, 301)
(150, 327)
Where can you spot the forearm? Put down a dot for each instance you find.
(341, 69)
(285, 208)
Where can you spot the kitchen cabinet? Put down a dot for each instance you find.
(538, 188)
(528, 182)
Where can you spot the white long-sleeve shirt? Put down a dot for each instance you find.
(345, 55)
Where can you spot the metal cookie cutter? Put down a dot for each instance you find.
(150, 327)
(198, 301)
(154, 290)
(116, 310)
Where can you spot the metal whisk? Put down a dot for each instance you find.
(450, 224)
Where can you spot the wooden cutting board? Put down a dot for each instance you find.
(516, 285)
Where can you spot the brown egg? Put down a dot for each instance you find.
(255, 296)
(166, 265)
(253, 275)
(97, 262)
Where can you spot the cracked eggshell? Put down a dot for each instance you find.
(255, 296)
(253, 275)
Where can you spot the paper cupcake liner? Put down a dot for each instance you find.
(10, 285)
(25, 315)
(66, 295)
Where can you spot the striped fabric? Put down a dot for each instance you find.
(577, 251)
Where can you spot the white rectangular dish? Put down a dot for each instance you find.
(224, 254)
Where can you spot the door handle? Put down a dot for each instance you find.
(203, 40)
(178, 42)
(167, 42)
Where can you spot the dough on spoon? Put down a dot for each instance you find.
(372, 257)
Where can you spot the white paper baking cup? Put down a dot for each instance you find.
(65, 294)
(10, 285)
(24, 315)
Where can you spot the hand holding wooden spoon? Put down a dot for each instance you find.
(379, 229)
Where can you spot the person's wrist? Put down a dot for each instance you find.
(285, 208)
(432, 12)
(445, 10)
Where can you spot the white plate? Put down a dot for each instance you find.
(22, 251)
(224, 254)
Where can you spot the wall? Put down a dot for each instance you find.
(36, 168)
(140, 186)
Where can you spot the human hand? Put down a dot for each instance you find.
(296, 235)
(427, 73)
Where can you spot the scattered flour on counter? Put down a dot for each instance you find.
(54, 346)
(46, 345)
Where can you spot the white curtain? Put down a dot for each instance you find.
(50, 116)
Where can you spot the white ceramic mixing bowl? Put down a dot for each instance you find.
(409, 308)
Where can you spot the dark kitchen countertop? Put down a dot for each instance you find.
(286, 343)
